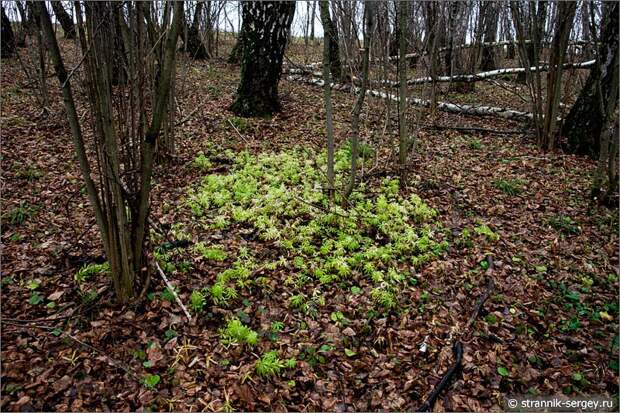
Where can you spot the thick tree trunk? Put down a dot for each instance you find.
(267, 25)
(195, 47)
(7, 37)
(584, 123)
(329, 29)
(66, 22)
(453, 62)
(491, 17)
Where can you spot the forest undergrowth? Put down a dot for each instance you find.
(297, 303)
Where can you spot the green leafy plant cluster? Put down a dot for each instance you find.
(281, 198)
(509, 186)
(19, 214)
(564, 224)
(237, 333)
(202, 162)
(484, 229)
(212, 253)
(271, 365)
(90, 270)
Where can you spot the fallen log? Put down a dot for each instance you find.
(316, 65)
(476, 77)
(484, 44)
(477, 129)
(442, 106)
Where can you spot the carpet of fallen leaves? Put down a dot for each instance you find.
(550, 325)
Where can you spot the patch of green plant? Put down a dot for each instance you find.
(242, 124)
(339, 318)
(271, 365)
(211, 254)
(483, 229)
(277, 326)
(509, 186)
(384, 298)
(170, 334)
(35, 298)
(167, 295)
(90, 270)
(222, 294)
(29, 173)
(570, 325)
(202, 162)
(164, 259)
(313, 356)
(150, 381)
(197, 301)
(278, 198)
(475, 144)
(564, 224)
(237, 333)
(19, 214)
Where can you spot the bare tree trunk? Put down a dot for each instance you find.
(403, 139)
(565, 17)
(195, 47)
(7, 37)
(584, 124)
(330, 30)
(264, 40)
(490, 18)
(327, 96)
(369, 14)
(312, 18)
(432, 38)
(66, 22)
(124, 165)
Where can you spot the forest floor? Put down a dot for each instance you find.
(549, 326)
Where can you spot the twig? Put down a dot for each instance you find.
(457, 349)
(109, 359)
(238, 133)
(186, 118)
(171, 289)
(430, 400)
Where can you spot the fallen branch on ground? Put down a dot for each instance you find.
(171, 289)
(442, 106)
(457, 349)
(476, 129)
(428, 404)
(477, 77)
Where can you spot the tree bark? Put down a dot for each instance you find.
(195, 47)
(329, 29)
(369, 14)
(565, 17)
(490, 19)
(7, 37)
(403, 141)
(327, 96)
(267, 25)
(66, 22)
(584, 123)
